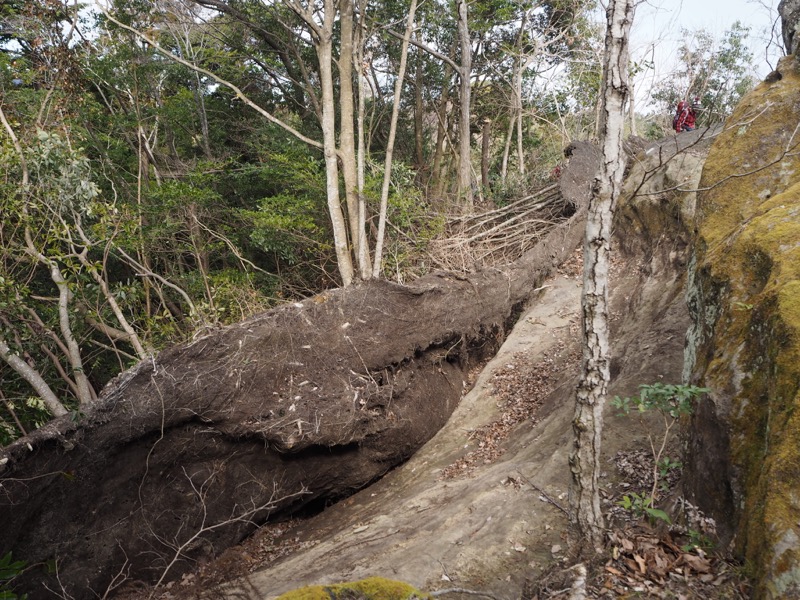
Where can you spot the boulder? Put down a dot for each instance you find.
(744, 344)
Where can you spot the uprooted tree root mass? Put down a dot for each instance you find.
(187, 453)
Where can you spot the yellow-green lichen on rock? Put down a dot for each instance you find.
(744, 293)
(372, 588)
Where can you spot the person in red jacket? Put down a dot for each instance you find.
(685, 117)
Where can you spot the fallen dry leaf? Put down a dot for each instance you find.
(640, 561)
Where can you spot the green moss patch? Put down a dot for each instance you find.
(373, 588)
(748, 262)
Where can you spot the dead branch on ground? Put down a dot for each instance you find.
(500, 235)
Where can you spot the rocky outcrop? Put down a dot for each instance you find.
(744, 295)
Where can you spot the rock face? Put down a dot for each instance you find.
(790, 16)
(744, 295)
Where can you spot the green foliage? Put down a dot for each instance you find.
(290, 226)
(654, 130)
(8, 433)
(719, 72)
(61, 176)
(672, 400)
(411, 225)
(666, 465)
(9, 569)
(697, 540)
(642, 505)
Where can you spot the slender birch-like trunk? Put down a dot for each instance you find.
(584, 460)
(464, 160)
(419, 111)
(387, 167)
(32, 376)
(361, 159)
(338, 222)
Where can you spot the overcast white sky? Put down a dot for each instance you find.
(658, 23)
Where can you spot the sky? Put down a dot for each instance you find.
(657, 29)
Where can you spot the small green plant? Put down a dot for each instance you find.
(672, 402)
(9, 569)
(697, 540)
(641, 505)
(665, 466)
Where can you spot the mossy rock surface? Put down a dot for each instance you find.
(373, 588)
(744, 293)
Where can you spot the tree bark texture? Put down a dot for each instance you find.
(338, 222)
(33, 377)
(347, 136)
(585, 511)
(486, 132)
(464, 146)
(387, 167)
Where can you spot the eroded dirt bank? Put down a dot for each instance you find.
(485, 512)
(459, 514)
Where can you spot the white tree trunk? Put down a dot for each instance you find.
(464, 159)
(85, 391)
(585, 511)
(347, 137)
(32, 376)
(325, 55)
(358, 57)
(387, 167)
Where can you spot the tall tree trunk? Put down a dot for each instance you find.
(202, 114)
(507, 148)
(587, 425)
(387, 167)
(520, 149)
(325, 54)
(521, 62)
(419, 111)
(441, 135)
(485, 133)
(464, 160)
(347, 138)
(359, 59)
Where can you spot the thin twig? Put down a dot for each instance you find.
(463, 591)
(544, 494)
